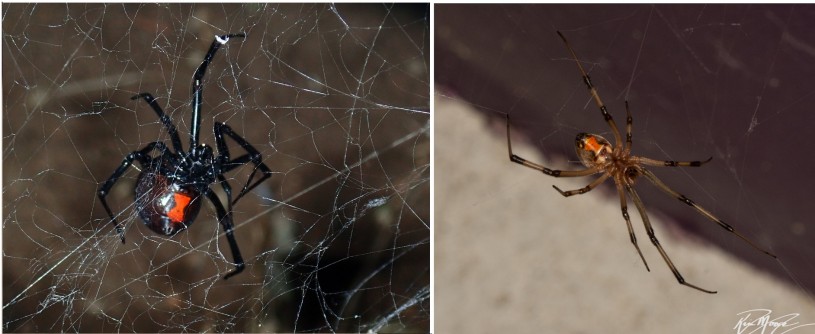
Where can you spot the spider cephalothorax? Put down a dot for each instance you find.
(617, 163)
(172, 184)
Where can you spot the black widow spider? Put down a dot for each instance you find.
(170, 185)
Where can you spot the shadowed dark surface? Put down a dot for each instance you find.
(731, 82)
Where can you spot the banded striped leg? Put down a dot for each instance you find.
(657, 182)
(624, 208)
(595, 95)
(584, 189)
(651, 162)
(650, 231)
(670, 163)
(551, 172)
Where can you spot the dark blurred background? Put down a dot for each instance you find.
(335, 97)
(729, 81)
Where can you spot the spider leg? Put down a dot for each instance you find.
(198, 87)
(650, 231)
(594, 94)
(585, 189)
(144, 159)
(662, 186)
(252, 156)
(551, 172)
(168, 123)
(652, 162)
(624, 208)
(227, 190)
(670, 163)
(225, 218)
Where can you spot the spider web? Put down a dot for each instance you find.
(335, 98)
(731, 82)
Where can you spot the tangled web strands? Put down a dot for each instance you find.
(334, 97)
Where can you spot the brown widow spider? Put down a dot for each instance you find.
(617, 163)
